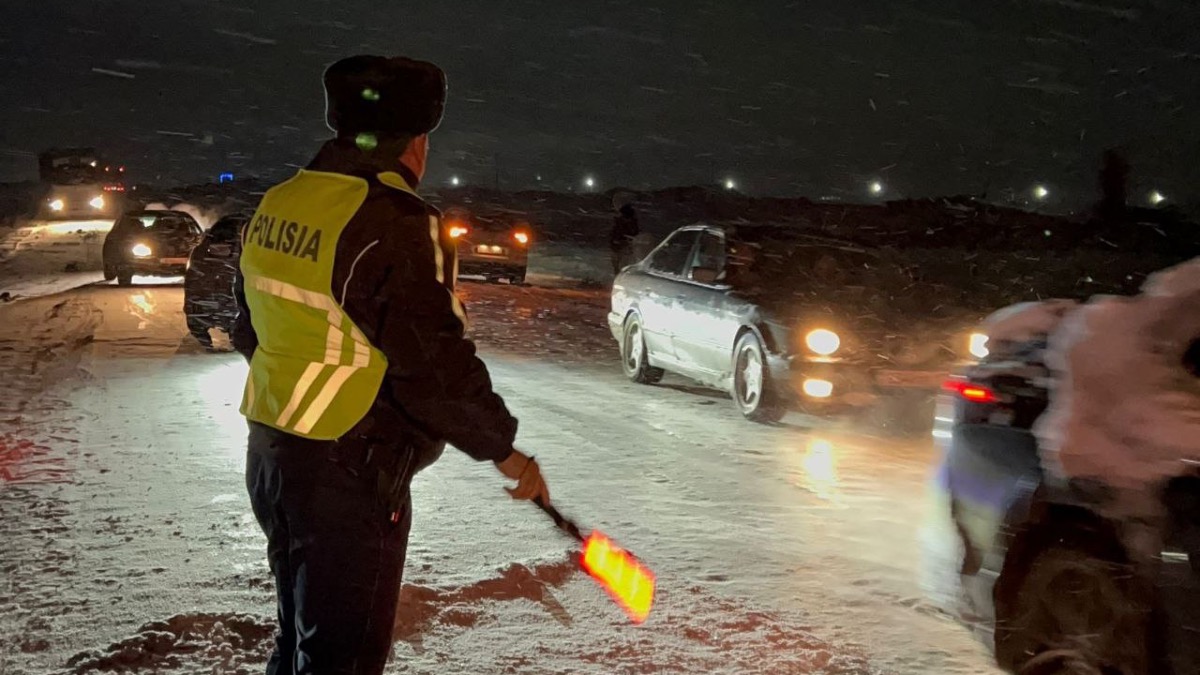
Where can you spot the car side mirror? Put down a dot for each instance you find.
(704, 275)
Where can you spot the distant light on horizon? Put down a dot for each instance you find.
(876, 188)
(455, 181)
(589, 182)
(730, 184)
(1040, 192)
(1157, 198)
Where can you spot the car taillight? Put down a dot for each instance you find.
(970, 391)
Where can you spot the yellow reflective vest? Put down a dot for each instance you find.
(314, 373)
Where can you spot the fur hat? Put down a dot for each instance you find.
(387, 96)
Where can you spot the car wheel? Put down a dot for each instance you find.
(517, 279)
(634, 360)
(753, 393)
(124, 277)
(109, 273)
(1073, 612)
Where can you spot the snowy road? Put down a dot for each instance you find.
(128, 538)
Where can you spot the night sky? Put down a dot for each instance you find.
(813, 97)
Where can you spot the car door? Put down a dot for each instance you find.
(705, 326)
(663, 281)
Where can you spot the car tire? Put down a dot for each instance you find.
(753, 391)
(634, 358)
(517, 279)
(124, 277)
(109, 273)
(1070, 610)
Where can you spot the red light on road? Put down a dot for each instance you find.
(975, 393)
(629, 582)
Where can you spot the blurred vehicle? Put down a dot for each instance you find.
(150, 243)
(208, 300)
(79, 185)
(493, 249)
(1046, 581)
(783, 320)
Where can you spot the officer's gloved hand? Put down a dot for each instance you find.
(523, 469)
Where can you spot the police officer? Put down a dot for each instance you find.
(359, 369)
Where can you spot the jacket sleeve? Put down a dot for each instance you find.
(244, 339)
(394, 294)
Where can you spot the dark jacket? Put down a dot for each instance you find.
(625, 228)
(436, 389)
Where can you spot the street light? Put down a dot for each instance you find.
(454, 181)
(1040, 192)
(876, 188)
(1157, 198)
(589, 182)
(729, 184)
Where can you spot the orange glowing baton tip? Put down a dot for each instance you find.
(621, 574)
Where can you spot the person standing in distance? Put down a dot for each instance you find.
(359, 369)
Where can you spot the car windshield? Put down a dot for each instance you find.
(158, 223)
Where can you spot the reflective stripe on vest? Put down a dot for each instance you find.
(314, 373)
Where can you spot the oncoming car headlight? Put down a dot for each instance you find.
(977, 345)
(822, 342)
(57, 205)
(97, 202)
(141, 251)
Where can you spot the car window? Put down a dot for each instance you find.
(710, 254)
(673, 254)
(226, 230)
(174, 225)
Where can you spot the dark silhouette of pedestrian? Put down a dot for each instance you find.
(625, 229)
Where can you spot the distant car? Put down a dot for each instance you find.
(208, 300)
(1046, 581)
(493, 249)
(779, 319)
(79, 185)
(150, 243)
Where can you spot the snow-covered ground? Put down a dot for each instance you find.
(40, 258)
(129, 544)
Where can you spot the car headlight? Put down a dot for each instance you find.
(823, 342)
(97, 202)
(57, 205)
(977, 345)
(141, 250)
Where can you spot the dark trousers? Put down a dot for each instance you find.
(621, 256)
(335, 553)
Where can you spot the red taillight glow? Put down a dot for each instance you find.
(457, 231)
(521, 237)
(975, 393)
(629, 582)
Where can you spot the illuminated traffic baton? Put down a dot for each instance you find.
(619, 572)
